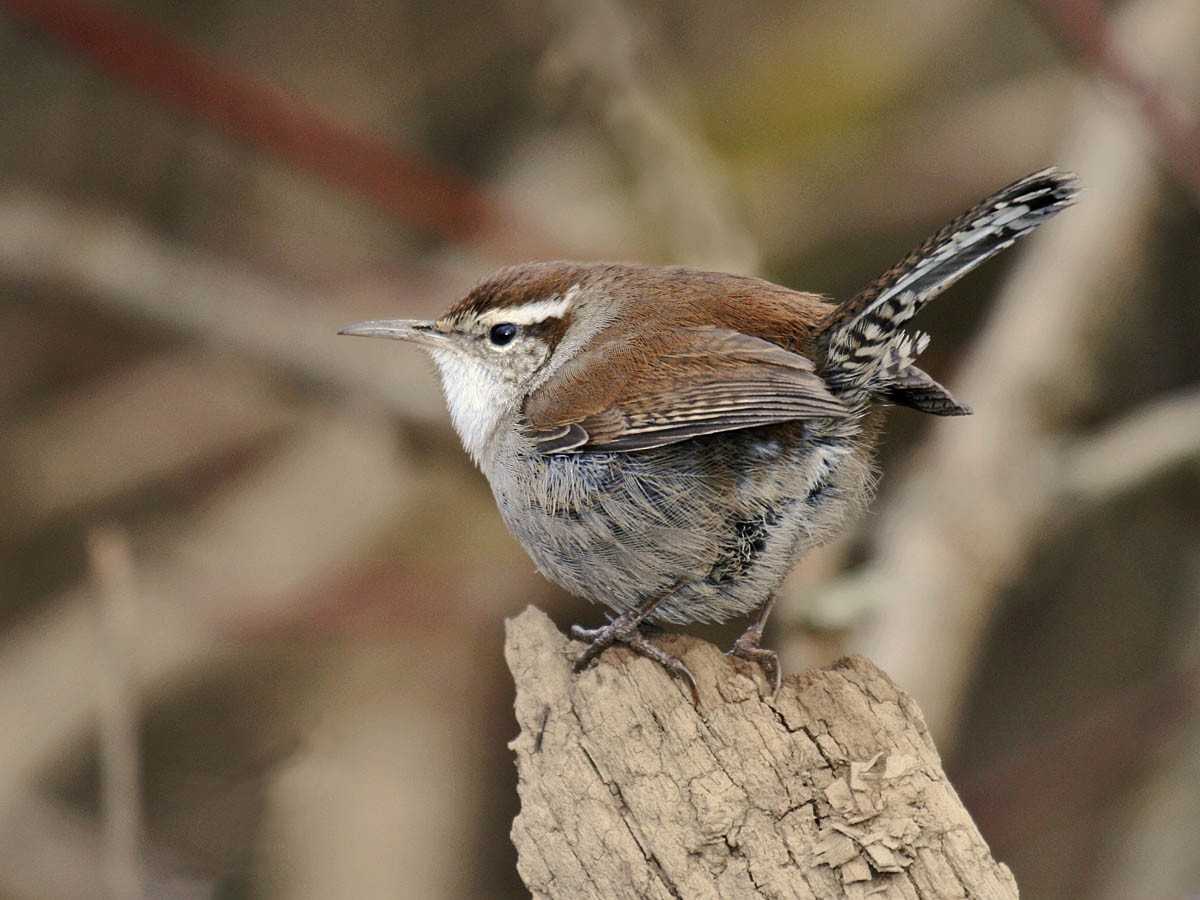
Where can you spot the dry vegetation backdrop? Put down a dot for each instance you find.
(253, 594)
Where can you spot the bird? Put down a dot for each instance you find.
(668, 441)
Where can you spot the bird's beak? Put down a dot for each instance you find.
(418, 331)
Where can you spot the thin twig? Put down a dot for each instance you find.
(120, 778)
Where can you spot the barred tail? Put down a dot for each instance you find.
(865, 349)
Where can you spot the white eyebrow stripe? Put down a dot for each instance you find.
(533, 312)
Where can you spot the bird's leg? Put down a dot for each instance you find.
(747, 646)
(626, 629)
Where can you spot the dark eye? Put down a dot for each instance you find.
(503, 333)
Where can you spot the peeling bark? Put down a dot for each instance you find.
(832, 790)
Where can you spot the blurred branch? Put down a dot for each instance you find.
(48, 851)
(414, 190)
(676, 173)
(966, 513)
(1083, 26)
(1156, 853)
(937, 146)
(120, 766)
(199, 405)
(1136, 448)
(833, 789)
(1074, 767)
(108, 261)
(386, 793)
(341, 484)
(19, 331)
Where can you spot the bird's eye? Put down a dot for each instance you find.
(502, 334)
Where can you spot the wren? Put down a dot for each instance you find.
(669, 441)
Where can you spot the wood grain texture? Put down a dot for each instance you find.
(833, 790)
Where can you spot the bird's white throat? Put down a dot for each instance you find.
(476, 398)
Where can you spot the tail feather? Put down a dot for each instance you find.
(915, 388)
(864, 346)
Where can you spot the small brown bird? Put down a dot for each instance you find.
(668, 441)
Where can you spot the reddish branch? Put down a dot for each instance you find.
(1081, 25)
(260, 114)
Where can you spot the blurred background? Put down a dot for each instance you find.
(253, 592)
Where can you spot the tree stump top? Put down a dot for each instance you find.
(628, 790)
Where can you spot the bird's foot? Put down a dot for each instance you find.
(747, 647)
(626, 629)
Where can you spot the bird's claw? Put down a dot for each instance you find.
(626, 630)
(747, 647)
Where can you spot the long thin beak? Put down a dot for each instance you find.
(418, 331)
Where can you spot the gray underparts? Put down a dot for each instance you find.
(724, 517)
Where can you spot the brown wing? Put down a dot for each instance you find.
(700, 380)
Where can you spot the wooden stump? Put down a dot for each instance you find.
(627, 790)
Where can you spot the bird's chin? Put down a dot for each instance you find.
(476, 399)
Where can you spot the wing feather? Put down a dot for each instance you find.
(701, 380)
